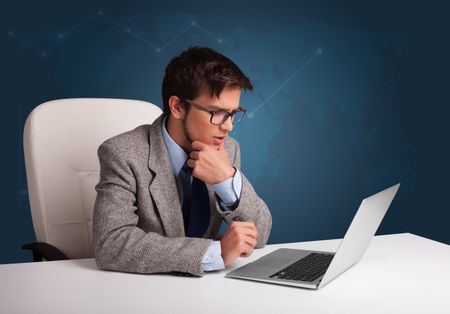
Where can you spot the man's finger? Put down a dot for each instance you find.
(253, 233)
(245, 224)
(247, 250)
(191, 163)
(250, 241)
(194, 155)
(248, 229)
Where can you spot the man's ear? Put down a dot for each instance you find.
(177, 109)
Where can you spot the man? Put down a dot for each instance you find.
(165, 188)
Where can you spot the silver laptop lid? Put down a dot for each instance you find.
(361, 231)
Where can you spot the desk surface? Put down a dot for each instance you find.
(401, 273)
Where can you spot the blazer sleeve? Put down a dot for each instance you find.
(119, 243)
(251, 207)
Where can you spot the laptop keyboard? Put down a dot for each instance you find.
(308, 268)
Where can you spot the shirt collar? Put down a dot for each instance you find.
(176, 154)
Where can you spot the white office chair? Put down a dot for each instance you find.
(61, 138)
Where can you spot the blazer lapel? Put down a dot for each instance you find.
(163, 188)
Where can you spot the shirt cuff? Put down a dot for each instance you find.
(212, 260)
(229, 191)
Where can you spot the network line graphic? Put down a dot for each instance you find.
(128, 30)
(154, 47)
(318, 52)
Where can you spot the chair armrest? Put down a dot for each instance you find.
(42, 250)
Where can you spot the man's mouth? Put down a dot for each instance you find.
(218, 139)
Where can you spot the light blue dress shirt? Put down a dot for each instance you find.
(228, 192)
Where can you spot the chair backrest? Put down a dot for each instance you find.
(61, 139)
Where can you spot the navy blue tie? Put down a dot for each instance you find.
(195, 203)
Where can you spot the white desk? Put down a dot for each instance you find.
(400, 273)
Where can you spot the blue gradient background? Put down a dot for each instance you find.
(349, 98)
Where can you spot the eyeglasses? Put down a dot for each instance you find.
(219, 117)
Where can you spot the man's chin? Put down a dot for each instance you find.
(209, 142)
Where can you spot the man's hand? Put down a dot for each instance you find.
(210, 163)
(239, 240)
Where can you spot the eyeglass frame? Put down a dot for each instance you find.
(213, 112)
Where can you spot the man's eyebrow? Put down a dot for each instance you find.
(220, 109)
(223, 109)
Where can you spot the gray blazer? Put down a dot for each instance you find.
(138, 222)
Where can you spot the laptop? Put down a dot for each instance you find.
(314, 269)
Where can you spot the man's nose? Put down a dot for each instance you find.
(227, 125)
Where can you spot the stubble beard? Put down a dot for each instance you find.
(186, 133)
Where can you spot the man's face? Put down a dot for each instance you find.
(197, 125)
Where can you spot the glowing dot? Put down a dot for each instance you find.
(250, 115)
(43, 54)
(61, 36)
(220, 40)
(194, 23)
(158, 50)
(100, 12)
(128, 30)
(10, 33)
(319, 51)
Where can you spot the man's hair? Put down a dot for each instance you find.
(200, 69)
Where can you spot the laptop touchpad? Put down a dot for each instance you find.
(272, 262)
